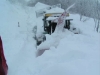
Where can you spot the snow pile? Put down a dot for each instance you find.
(40, 6)
(68, 54)
(53, 40)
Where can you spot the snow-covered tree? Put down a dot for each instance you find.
(97, 15)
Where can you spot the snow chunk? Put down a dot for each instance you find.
(52, 41)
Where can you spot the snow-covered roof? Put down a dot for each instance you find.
(55, 10)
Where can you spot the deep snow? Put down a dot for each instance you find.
(73, 54)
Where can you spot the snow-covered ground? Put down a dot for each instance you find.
(73, 54)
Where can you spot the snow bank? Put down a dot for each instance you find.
(75, 55)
